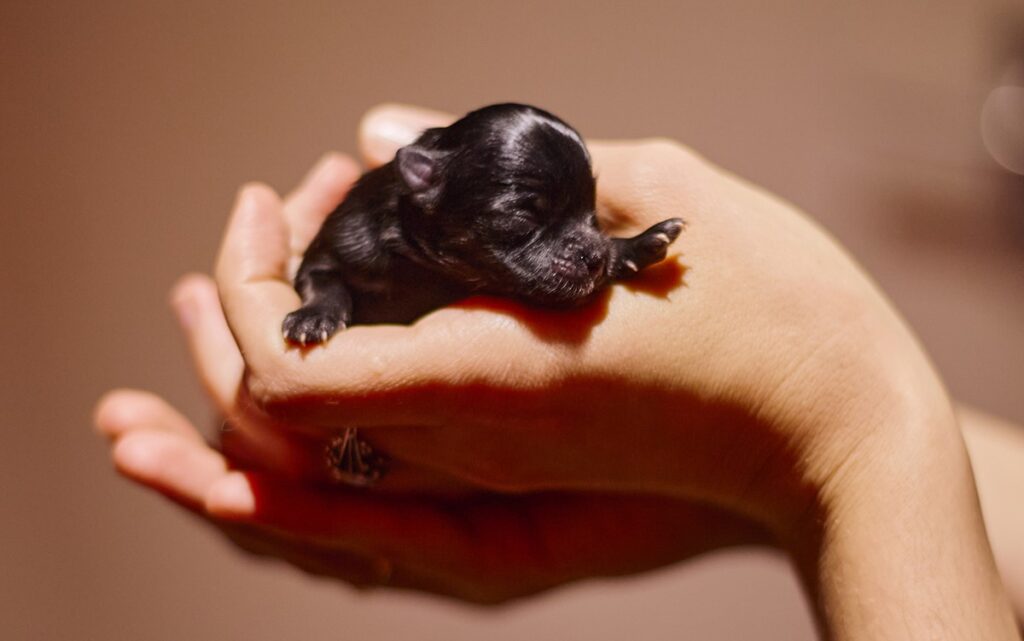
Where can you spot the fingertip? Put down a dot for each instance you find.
(255, 245)
(187, 294)
(106, 413)
(389, 126)
(255, 192)
(334, 168)
(253, 202)
(121, 410)
(189, 285)
(231, 497)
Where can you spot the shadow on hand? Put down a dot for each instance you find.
(659, 280)
(573, 326)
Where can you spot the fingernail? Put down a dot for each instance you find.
(231, 496)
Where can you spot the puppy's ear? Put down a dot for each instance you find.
(420, 170)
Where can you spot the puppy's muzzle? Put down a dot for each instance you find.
(582, 260)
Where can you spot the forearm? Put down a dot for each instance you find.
(997, 456)
(900, 552)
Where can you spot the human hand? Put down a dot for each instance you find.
(483, 548)
(265, 486)
(776, 384)
(745, 376)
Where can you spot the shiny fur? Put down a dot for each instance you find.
(500, 202)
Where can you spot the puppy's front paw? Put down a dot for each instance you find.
(651, 246)
(311, 325)
(648, 248)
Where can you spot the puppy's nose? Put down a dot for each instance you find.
(591, 258)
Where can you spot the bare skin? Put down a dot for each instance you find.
(762, 391)
(997, 456)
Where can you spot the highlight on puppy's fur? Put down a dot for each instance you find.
(501, 202)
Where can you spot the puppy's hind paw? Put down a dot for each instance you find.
(309, 326)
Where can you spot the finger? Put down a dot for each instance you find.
(123, 411)
(180, 468)
(413, 534)
(415, 375)
(386, 128)
(256, 443)
(215, 355)
(354, 518)
(184, 470)
(248, 436)
(317, 195)
(489, 548)
(250, 277)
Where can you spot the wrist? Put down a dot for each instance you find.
(895, 546)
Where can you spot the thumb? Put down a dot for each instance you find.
(387, 127)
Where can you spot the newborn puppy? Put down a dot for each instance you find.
(500, 202)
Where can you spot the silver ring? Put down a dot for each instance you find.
(353, 461)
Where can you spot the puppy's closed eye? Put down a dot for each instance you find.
(519, 225)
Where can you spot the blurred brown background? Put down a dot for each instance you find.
(125, 128)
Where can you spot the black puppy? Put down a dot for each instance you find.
(500, 202)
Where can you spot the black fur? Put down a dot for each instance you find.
(500, 202)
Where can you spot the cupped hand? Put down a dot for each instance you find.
(266, 485)
(754, 370)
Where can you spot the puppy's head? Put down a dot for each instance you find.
(503, 200)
